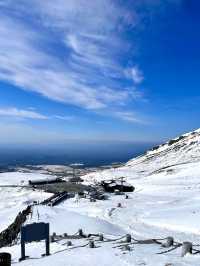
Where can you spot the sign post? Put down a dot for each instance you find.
(34, 232)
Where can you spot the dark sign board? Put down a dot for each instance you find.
(34, 232)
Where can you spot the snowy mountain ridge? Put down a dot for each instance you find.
(183, 149)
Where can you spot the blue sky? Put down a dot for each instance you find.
(100, 70)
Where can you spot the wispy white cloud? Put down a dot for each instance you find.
(34, 69)
(20, 113)
(92, 17)
(135, 74)
(128, 116)
(65, 118)
(30, 113)
(90, 34)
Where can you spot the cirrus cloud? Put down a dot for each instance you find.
(30, 113)
(20, 113)
(86, 71)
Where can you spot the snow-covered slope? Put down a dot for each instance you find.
(182, 150)
(165, 203)
(179, 151)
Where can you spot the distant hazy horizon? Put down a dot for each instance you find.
(90, 154)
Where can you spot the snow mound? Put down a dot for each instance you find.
(64, 221)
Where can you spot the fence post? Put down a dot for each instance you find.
(69, 243)
(169, 242)
(101, 238)
(128, 238)
(80, 233)
(186, 248)
(5, 259)
(91, 244)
